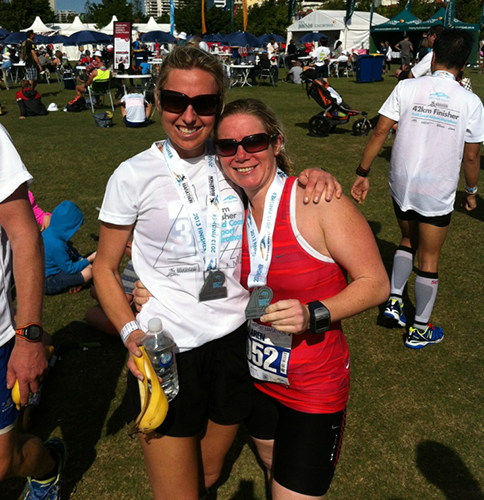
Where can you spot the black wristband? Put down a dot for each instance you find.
(362, 172)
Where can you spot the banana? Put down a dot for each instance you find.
(49, 350)
(154, 405)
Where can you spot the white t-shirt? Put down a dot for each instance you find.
(321, 54)
(436, 117)
(12, 175)
(423, 68)
(164, 251)
(135, 107)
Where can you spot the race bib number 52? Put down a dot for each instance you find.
(268, 353)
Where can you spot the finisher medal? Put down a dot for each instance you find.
(213, 288)
(260, 299)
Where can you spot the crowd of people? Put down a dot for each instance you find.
(281, 368)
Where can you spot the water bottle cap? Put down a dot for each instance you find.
(155, 325)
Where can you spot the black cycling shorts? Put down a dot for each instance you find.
(306, 445)
(215, 384)
(410, 215)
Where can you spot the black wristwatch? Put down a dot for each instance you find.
(319, 317)
(32, 332)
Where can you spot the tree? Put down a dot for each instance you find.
(268, 17)
(20, 14)
(139, 16)
(102, 13)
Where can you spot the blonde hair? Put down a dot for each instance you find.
(272, 125)
(192, 57)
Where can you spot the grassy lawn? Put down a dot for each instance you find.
(414, 427)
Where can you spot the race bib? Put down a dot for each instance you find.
(268, 353)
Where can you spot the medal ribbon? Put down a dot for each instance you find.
(260, 243)
(209, 250)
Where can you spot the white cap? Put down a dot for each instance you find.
(182, 35)
(97, 53)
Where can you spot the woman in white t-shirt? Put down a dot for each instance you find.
(187, 221)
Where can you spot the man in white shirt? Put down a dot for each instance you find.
(22, 354)
(321, 57)
(136, 110)
(440, 127)
(423, 68)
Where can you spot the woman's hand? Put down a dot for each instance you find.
(360, 189)
(132, 344)
(289, 316)
(316, 182)
(140, 295)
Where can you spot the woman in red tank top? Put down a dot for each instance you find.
(297, 254)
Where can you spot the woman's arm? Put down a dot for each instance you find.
(109, 287)
(338, 230)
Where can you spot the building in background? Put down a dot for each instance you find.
(63, 16)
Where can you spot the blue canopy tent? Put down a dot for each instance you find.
(242, 39)
(267, 38)
(214, 37)
(4, 33)
(21, 36)
(157, 36)
(88, 37)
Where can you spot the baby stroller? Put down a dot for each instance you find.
(335, 110)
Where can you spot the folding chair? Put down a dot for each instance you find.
(100, 89)
(267, 73)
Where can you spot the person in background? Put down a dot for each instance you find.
(29, 101)
(42, 218)
(294, 74)
(22, 353)
(136, 110)
(424, 171)
(65, 268)
(145, 66)
(32, 64)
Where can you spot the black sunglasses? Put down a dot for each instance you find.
(176, 102)
(251, 143)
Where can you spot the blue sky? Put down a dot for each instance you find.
(75, 5)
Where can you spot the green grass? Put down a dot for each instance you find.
(414, 428)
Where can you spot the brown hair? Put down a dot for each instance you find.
(272, 125)
(191, 57)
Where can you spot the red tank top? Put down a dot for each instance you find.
(319, 364)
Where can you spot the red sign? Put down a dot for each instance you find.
(122, 45)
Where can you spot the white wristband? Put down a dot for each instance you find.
(128, 329)
(471, 190)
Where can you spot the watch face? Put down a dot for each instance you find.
(34, 332)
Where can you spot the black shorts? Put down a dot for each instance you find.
(411, 215)
(306, 445)
(215, 384)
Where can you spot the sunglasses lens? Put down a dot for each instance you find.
(206, 105)
(226, 147)
(174, 102)
(255, 143)
(251, 143)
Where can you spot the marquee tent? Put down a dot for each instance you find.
(109, 29)
(38, 26)
(405, 21)
(332, 24)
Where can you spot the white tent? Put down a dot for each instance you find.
(76, 26)
(332, 23)
(38, 27)
(109, 29)
(152, 25)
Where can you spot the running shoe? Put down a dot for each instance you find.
(48, 489)
(394, 314)
(417, 339)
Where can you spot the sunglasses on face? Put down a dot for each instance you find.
(176, 102)
(251, 143)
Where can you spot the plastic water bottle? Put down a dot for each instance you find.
(161, 351)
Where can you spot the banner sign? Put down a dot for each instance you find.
(122, 44)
